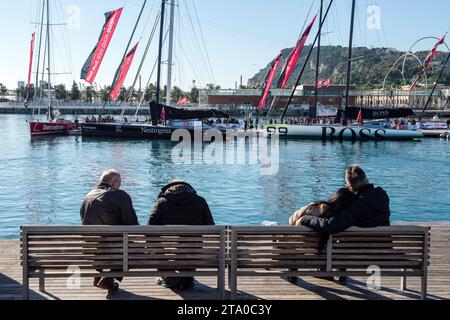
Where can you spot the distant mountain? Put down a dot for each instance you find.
(369, 67)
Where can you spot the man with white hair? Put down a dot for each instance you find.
(106, 204)
(369, 209)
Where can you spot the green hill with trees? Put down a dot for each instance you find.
(369, 67)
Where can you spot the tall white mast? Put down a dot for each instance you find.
(170, 54)
(50, 115)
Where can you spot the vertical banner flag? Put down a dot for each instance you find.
(268, 81)
(123, 71)
(92, 64)
(319, 84)
(31, 60)
(360, 120)
(294, 56)
(427, 63)
(327, 83)
(163, 114)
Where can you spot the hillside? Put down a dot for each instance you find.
(368, 69)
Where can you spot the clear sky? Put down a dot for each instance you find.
(239, 36)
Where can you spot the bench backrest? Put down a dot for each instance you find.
(123, 248)
(126, 248)
(274, 247)
(395, 247)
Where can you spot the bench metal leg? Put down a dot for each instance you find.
(221, 285)
(229, 277)
(233, 286)
(403, 282)
(423, 291)
(41, 281)
(25, 287)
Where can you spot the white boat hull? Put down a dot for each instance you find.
(341, 133)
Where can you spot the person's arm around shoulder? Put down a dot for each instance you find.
(337, 223)
(127, 210)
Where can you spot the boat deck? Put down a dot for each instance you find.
(265, 288)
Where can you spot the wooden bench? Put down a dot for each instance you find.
(401, 251)
(126, 251)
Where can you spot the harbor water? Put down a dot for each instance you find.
(44, 180)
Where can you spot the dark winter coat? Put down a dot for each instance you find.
(180, 205)
(107, 206)
(370, 209)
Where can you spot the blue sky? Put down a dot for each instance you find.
(241, 36)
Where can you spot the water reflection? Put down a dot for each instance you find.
(44, 180)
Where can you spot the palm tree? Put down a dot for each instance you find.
(104, 93)
(150, 92)
(3, 90)
(89, 93)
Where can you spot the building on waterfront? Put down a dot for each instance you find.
(332, 96)
(303, 96)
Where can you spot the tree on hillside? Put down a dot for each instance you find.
(75, 93)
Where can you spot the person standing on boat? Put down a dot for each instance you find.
(179, 204)
(369, 209)
(106, 204)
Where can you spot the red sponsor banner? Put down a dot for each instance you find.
(427, 63)
(268, 81)
(124, 68)
(92, 64)
(31, 60)
(294, 56)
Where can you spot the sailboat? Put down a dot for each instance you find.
(163, 117)
(54, 124)
(341, 131)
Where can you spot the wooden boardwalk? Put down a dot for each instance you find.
(251, 288)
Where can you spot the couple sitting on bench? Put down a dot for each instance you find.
(359, 204)
(177, 204)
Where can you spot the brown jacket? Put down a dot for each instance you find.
(107, 206)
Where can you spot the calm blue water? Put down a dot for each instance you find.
(44, 181)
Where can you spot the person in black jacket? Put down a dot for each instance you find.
(179, 204)
(369, 209)
(106, 204)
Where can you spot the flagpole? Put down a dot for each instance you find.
(161, 36)
(434, 87)
(306, 61)
(125, 53)
(313, 111)
(349, 62)
(49, 86)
